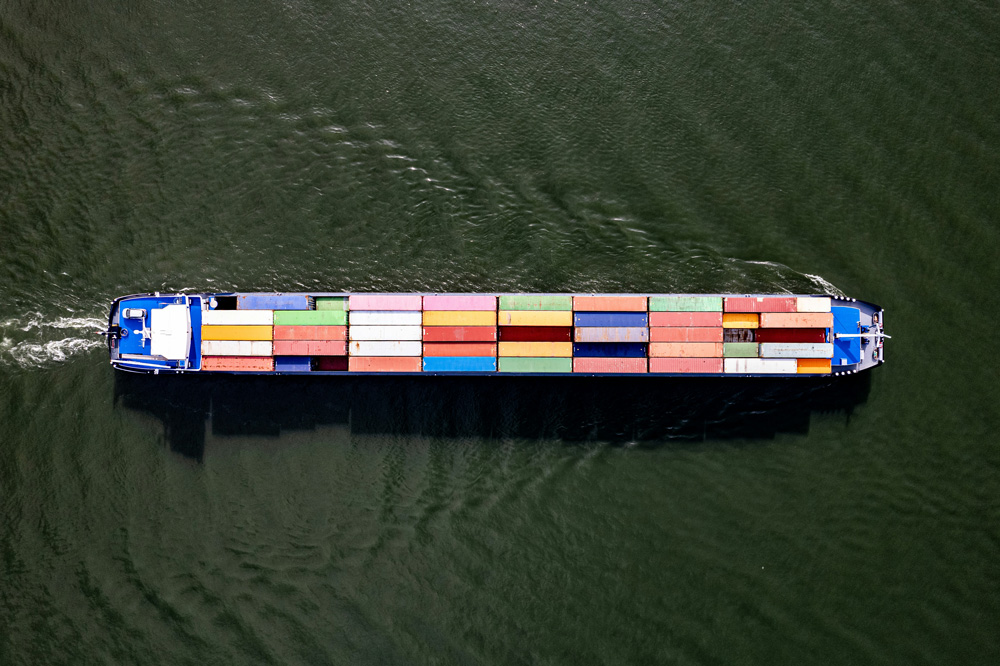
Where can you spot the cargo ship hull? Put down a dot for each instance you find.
(650, 335)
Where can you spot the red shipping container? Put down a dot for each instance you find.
(238, 363)
(385, 364)
(609, 303)
(703, 334)
(791, 335)
(536, 333)
(331, 363)
(685, 365)
(760, 304)
(309, 348)
(460, 349)
(460, 334)
(310, 332)
(596, 364)
(685, 319)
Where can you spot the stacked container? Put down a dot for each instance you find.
(385, 333)
(307, 338)
(235, 340)
(611, 334)
(686, 334)
(535, 333)
(460, 333)
(789, 334)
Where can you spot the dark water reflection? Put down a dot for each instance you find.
(626, 410)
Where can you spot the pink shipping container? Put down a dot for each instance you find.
(310, 348)
(685, 365)
(796, 320)
(385, 302)
(610, 334)
(238, 363)
(385, 364)
(307, 332)
(591, 364)
(675, 334)
(685, 319)
(460, 302)
(609, 303)
(760, 304)
(685, 349)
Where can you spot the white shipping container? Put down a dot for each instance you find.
(386, 318)
(236, 347)
(238, 317)
(761, 365)
(384, 332)
(812, 304)
(384, 348)
(796, 350)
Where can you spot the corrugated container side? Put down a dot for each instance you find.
(686, 365)
(796, 350)
(236, 348)
(310, 318)
(541, 365)
(687, 319)
(384, 348)
(610, 349)
(740, 349)
(541, 349)
(814, 365)
(685, 334)
(237, 317)
(610, 334)
(385, 364)
(331, 303)
(460, 334)
(813, 304)
(310, 348)
(385, 332)
(759, 304)
(331, 363)
(536, 333)
(761, 365)
(535, 318)
(796, 320)
(610, 365)
(310, 332)
(536, 302)
(791, 335)
(460, 364)
(460, 302)
(609, 303)
(460, 349)
(237, 363)
(613, 319)
(292, 364)
(266, 301)
(685, 304)
(685, 349)
(386, 318)
(236, 332)
(459, 318)
(385, 302)
(740, 320)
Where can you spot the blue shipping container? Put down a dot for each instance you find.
(272, 302)
(618, 319)
(292, 364)
(610, 349)
(460, 364)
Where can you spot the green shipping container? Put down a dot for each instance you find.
(310, 318)
(537, 302)
(740, 349)
(331, 303)
(534, 364)
(685, 303)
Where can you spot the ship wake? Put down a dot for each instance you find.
(37, 340)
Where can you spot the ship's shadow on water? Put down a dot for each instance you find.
(646, 410)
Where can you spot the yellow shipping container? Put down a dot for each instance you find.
(236, 332)
(821, 365)
(537, 349)
(460, 318)
(536, 318)
(740, 320)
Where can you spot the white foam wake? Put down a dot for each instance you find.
(34, 340)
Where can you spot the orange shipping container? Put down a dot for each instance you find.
(814, 365)
(701, 334)
(599, 365)
(685, 349)
(685, 319)
(310, 332)
(459, 349)
(385, 364)
(740, 320)
(796, 319)
(685, 365)
(238, 363)
(609, 303)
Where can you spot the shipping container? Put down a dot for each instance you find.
(460, 302)
(534, 365)
(236, 348)
(272, 302)
(460, 334)
(686, 334)
(237, 317)
(330, 363)
(609, 365)
(687, 319)
(813, 365)
(384, 348)
(292, 364)
(759, 304)
(536, 333)
(812, 304)
(331, 303)
(310, 332)
(610, 349)
(796, 350)
(459, 318)
(460, 349)
(384, 333)
(237, 363)
(385, 302)
(384, 364)
(739, 349)
(310, 348)
(685, 349)
(460, 364)
(236, 332)
(310, 318)
(617, 319)
(611, 334)
(791, 335)
(541, 349)
(535, 318)
(685, 304)
(609, 303)
(796, 320)
(536, 302)
(386, 318)
(740, 320)
(685, 365)
(761, 365)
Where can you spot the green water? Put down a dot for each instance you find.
(615, 146)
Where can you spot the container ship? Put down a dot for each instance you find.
(721, 335)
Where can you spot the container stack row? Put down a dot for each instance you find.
(777, 335)
(535, 333)
(686, 334)
(385, 332)
(611, 334)
(460, 333)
